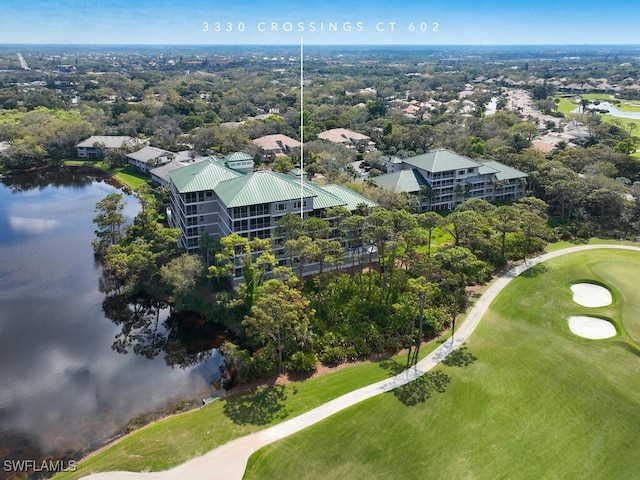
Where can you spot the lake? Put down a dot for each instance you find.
(611, 110)
(64, 387)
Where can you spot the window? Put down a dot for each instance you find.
(281, 206)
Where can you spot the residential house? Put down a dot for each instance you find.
(442, 179)
(97, 145)
(277, 144)
(347, 138)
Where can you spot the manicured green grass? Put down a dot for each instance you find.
(620, 104)
(176, 439)
(531, 401)
(131, 178)
(100, 165)
(127, 176)
(438, 237)
(566, 105)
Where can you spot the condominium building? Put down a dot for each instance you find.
(97, 145)
(442, 179)
(212, 198)
(148, 158)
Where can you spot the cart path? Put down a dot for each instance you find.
(229, 461)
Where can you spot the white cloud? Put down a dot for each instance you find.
(32, 226)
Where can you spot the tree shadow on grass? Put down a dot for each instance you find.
(629, 348)
(534, 271)
(460, 357)
(421, 389)
(392, 366)
(260, 407)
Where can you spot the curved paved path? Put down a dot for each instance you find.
(228, 462)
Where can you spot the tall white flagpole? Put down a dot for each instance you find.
(301, 127)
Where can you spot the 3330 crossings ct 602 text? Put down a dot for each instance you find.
(320, 27)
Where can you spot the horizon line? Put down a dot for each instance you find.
(636, 45)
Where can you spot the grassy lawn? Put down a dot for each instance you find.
(131, 178)
(566, 105)
(176, 439)
(527, 399)
(620, 104)
(438, 237)
(127, 176)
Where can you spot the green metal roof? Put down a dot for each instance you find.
(205, 175)
(238, 157)
(260, 187)
(501, 171)
(323, 198)
(350, 198)
(440, 160)
(410, 181)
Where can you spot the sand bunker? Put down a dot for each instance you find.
(590, 295)
(591, 327)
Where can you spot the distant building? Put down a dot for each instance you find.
(150, 157)
(97, 145)
(346, 137)
(391, 163)
(442, 179)
(277, 144)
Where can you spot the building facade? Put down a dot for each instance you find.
(442, 179)
(97, 145)
(148, 158)
(211, 198)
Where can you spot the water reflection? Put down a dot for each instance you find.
(149, 328)
(607, 107)
(50, 177)
(63, 388)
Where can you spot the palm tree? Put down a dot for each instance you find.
(632, 127)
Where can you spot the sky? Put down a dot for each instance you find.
(364, 22)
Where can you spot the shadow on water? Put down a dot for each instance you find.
(534, 271)
(148, 329)
(52, 176)
(260, 407)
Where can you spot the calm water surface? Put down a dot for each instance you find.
(63, 388)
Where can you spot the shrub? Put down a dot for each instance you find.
(301, 362)
(334, 355)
